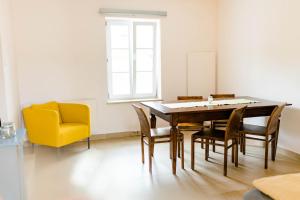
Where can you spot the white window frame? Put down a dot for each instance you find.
(132, 23)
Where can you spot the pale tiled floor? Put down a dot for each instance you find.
(112, 169)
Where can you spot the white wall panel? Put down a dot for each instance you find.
(201, 73)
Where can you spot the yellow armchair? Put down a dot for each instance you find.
(57, 124)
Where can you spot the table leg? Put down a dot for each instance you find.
(174, 147)
(153, 121)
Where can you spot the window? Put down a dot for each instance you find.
(133, 58)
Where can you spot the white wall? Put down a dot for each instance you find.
(9, 95)
(61, 51)
(3, 114)
(259, 55)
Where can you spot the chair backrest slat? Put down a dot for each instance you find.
(274, 119)
(234, 123)
(222, 96)
(144, 123)
(189, 98)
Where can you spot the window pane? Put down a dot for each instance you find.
(120, 84)
(119, 36)
(144, 59)
(144, 82)
(120, 60)
(144, 36)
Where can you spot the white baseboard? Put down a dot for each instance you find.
(102, 136)
(107, 136)
(114, 135)
(289, 153)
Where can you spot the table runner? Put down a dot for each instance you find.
(206, 103)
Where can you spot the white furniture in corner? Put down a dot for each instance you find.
(11, 167)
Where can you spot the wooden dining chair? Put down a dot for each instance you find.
(190, 126)
(223, 96)
(268, 134)
(221, 123)
(180, 98)
(151, 136)
(222, 138)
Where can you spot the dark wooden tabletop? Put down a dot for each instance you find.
(159, 106)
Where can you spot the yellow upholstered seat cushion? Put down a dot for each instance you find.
(285, 187)
(48, 106)
(71, 132)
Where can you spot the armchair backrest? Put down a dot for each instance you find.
(48, 106)
(74, 113)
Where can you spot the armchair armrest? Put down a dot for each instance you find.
(74, 113)
(42, 125)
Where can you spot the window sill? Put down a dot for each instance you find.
(131, 100)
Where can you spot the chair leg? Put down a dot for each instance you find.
(178, 146)
(225, 159)
(276, 139)
(192, 154)
(273, 146)
(202, 143)
(244, 144)
(214, 146)
(142, 148)
(232, 151)
(150, 155)
(266, 151)
(206, 149)
(171, 150)
(277, 133)
(152, 149)
(88, 142)
(182, 153)
(241, 141)
(236, 155)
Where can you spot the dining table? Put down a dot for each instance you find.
(187, 111)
